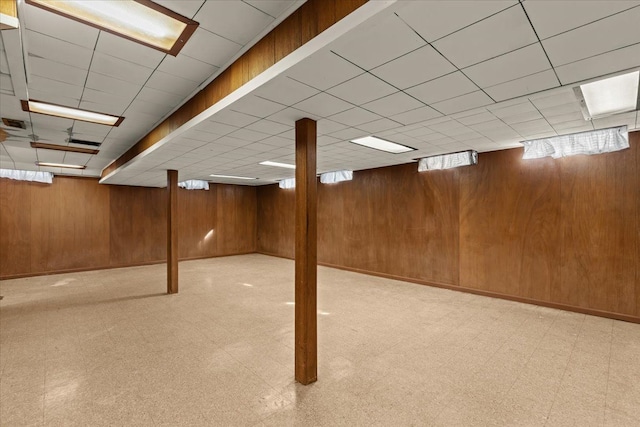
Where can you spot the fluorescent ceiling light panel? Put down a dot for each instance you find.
(231, 177)
(592, 142)
(70, 113)
(382, 145)
(610, 96)
(287, 183)
(337, 176)
(60, 165)
(142, 21)
(448, 161)
(277, 164)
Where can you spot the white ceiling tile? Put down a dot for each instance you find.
(564, 118)
(600, 65)
(124, 49)
(233, 118)
(558, 110)
(47, 47)
(390, 105)
(171, 83)
(116, 104)
(531, 127)
(216, 128)
(628, 119)
(546, 100)
(152, 108)
(414, 68)
(522, 117)
(323, 70)
(553, 17)
(602, 36)
(354, 117)
(506, 109)
(256, 106)
(248, 135)
(570, 126)
(362, 89)
(289, 116)
(58, 26)
(415, 116)
(224, 18)
(186, 8)
(440, 89)
(379, 125)
(482, 117)
(158, 96)
(272, 7)
(187, 68)
(462, 103)
(120, 69)
(377, 41)
(486, 39)
(348, 134)
(285, 90)
(208, 47)
(323, 105)
(519, 63)
(435, 19)
(55, 87)
(269, 127)
(50, 156)
(523, 86)
(110, 85)
(57, 71)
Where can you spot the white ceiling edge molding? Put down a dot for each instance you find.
(355, 18)
(8, 22)
(14, 49)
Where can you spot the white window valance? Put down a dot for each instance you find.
(34, 176)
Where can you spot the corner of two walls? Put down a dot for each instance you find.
(562, 233)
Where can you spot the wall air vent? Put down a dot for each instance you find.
(84, 142)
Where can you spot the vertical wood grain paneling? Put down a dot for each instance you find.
(509, 236)
(276, 224)
(78, 224)
(198, 234)
(599, 213)
(551, 231)
(237, 220)
(15, 226)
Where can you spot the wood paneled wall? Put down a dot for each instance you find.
(77, 224)
(563, 233)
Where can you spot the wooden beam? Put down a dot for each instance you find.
(172, 232)
(306, 351)
(45, 146)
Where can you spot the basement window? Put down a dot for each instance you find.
(34, 176)
(194, 184)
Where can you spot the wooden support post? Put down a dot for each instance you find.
(172, 232)
(306, 253)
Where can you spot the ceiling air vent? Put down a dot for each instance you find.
(83, 142)
(13, 123)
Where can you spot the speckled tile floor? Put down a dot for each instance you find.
(109, 348)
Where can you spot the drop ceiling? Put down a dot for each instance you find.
(439, 76)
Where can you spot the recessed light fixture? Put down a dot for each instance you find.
(609, 96)
(382, 145)
(60, 165)
(48, 109)
(448, 161)
(142, 21)
(277, 164)
(231, 177)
